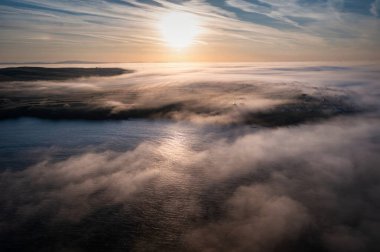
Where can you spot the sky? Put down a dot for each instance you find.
(229, 30)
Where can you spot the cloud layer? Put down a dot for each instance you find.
(309, 187)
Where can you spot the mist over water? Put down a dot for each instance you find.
(215, 157)
(35, 139)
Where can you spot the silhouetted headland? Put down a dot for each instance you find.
(43, 73)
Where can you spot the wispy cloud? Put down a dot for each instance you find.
(254, 29)
(375, 8)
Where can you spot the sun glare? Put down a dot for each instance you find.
(179, 29)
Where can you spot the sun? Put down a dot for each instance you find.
(179, 29)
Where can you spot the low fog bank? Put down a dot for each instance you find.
(264, 95)
(312, 187)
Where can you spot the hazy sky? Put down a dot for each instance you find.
(230, 30)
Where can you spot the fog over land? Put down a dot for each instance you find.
(290, 163)
(182, 93)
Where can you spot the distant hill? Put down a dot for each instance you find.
(79, 62)
(43, 73)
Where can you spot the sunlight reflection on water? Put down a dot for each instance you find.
(35, 140)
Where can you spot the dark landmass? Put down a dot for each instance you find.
(252, 103)
(305, 108)
(52, 63)
(302, 109)
(42, 73)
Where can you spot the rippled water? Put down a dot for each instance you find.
(26, 141)
(156, 218)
